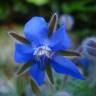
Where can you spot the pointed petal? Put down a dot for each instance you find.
(65, 66)
(84, 62)
(36, 30)
(36, 74)
(53, 24)
(67, 53)
(19, 38)
(21, 58)
(60, 40)
(24, 68)
(23, 53)
(25, 49)
(50, 73)
(35, 87)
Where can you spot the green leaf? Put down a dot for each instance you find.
(19, 6)
(53, 24)
(20, 86)
(24, 68)
(19, 38)
(4, 11)
(35, 87)
(64, 81)
(68, 53)
(38, 2)
(78, 5)
(50, 74)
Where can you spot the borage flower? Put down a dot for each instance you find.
(42, 48)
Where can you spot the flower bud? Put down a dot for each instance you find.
(87, 60)
(89, 48)
(67, 20)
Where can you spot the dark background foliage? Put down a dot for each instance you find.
(83, 11)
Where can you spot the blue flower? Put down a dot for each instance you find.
(84, 62)
(42, 50)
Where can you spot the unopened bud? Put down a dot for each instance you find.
(89, 48)
(67, 20)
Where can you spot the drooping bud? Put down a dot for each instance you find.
(89, 48)
(67, 20)
(89, 52)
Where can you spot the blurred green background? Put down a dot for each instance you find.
(15, 13)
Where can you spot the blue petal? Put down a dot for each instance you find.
(84, 62)
(65, 66)
(37, 74)
(24, 48)
(23, 53)
(36, 30)
(60, 40)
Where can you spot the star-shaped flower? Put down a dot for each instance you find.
(43, 48)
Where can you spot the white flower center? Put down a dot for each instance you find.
(43, 50)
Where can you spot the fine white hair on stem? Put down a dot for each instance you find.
(88, 46)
